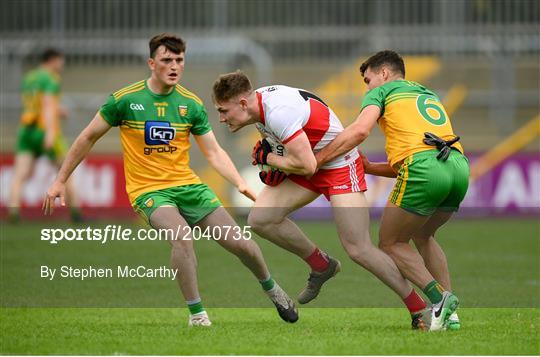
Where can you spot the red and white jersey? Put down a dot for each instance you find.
(286, 112)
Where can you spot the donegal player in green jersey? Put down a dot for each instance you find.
(40, 130)
(156, 117)
(431, 183)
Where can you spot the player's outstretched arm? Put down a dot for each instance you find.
(77, 152)
(50, 109)
(377, 168)
(299, 159)
(222, 163)
(351, 137)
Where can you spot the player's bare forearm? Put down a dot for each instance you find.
(218, 158)
(223, 164)
(351, 137)
(343, 143)
(293, 165)
(81, 146)
(299, 159)
(77, 152)
(380, 169)
(50, 111)
(75, 155)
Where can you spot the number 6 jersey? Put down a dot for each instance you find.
(408, 109)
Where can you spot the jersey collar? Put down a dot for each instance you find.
(261, 110)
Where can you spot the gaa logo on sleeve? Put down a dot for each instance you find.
(158, 132)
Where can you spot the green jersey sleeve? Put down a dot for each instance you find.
(200, 122)
(49, 85)
(110, 111)
(376, 96)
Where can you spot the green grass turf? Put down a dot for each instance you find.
(494, 266)
(320, 331)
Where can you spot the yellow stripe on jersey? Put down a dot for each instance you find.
(410, 96)
(130, 90)
(131, 126)
(401, 95)
(125, 89)
(142, 124)
(133, 122)
(397, 95)
(391, 96)
(136, 122)
(135, 89)
(131, 86)
(188, 94)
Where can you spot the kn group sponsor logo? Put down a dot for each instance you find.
(159, 133)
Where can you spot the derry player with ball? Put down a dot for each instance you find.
(304, 124)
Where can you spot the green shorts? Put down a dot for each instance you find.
(31, 139)
(194, 202)
(426, 184)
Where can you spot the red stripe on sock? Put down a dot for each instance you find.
(318, 260)
(414, 302)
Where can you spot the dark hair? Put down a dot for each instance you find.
(230, 85)
(387, 57)
(171, 42)
(49, 54)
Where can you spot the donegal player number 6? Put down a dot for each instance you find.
(426, 105)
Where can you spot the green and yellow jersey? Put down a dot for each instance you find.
(408, 110)
(154, 131)
(37, 83)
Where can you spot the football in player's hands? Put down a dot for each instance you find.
(272, 177)
(269, 175)
(263, 148)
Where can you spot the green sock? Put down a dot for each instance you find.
(267, 284)
(433, 291)
(195, 306)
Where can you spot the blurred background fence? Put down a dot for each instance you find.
(480, 56)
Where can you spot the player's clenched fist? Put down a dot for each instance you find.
(260, 152)
(272, 177)
(57, 189)
(247, 191)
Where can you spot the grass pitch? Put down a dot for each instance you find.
(254, 331)
(494, 265)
